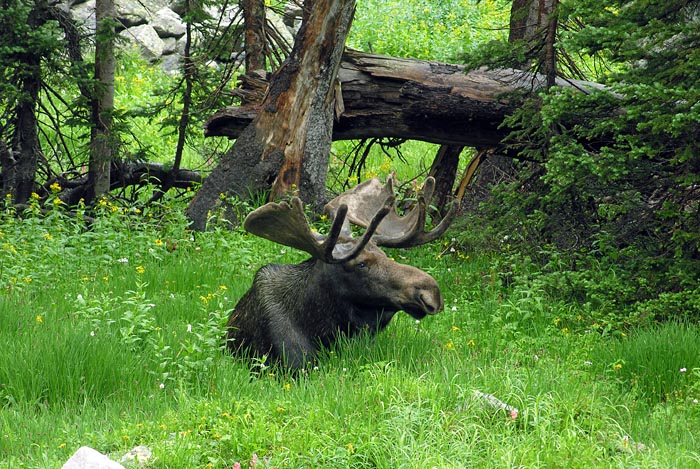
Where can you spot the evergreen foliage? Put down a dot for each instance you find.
(613, 176)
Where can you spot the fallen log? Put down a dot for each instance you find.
(408, 98)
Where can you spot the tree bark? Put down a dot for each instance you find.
(254, 21)
(444, 170)
(25, 144)
(413, 99)
(287, 144)
(101, 139)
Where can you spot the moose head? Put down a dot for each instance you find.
(348, 285)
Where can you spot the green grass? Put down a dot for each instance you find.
(109, 336)
(110, 339)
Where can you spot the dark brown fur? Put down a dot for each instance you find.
(291, 310)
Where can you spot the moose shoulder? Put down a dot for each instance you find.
(347, 286)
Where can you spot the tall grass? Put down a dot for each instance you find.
(110, 338)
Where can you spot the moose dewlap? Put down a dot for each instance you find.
(348, 285)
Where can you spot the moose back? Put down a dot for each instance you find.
(348, 285)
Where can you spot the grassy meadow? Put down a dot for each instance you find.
(110, 333)
(110, 338)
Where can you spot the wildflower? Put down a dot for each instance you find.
(449, 345)
(351, 448)
(189, 328)
(123, 260)
(683, 370)
(588, 363)
(57, 201)
(471, 343)
(617, 366)
(35, 196)
(455, 329)
(62, 445)
(48, 236)
(159, 242)
(140, 269)
(39, 319)
(287, 386)
(161, 385)
(281, 409)
(92, 333)
(454, 308)
(223, 287)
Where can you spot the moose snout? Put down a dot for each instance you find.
(425, 299)
(431, 299)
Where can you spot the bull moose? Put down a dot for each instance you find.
(347, 286)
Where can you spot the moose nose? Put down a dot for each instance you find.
(431, 300)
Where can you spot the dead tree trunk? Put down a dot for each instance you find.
(288, 143)
(413, 99)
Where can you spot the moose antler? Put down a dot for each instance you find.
(395, 230)
(287, 225)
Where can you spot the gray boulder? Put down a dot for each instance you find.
(147, 39)
(88, 458)
(135, 12)
(84, 15)
(167, 23)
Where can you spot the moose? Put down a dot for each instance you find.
(348, 285)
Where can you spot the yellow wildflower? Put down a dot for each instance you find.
(55, 187)
(140, 269)
(39, 319)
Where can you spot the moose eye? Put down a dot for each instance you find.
(362, 265)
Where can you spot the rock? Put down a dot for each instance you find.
(140, 455)
(88, 458)
(84, 15)
(170, 45)
(278, 23)
(167, 23)
(136, 12)
(171, 63)
(147, 39)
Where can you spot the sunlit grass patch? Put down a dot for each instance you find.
(656, 363)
